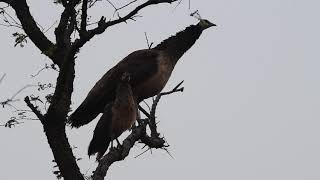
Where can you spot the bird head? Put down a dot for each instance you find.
(125, 77)
(204, 24)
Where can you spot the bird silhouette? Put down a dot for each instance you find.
(149, 69)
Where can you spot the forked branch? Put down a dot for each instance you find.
(34, 109)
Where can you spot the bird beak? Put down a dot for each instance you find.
(211, 24)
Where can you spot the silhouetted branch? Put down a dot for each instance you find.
(122, 7)
(34, 109)
(2, 77)
(31, 28)
(8, 19)
(103, 25)
(149, 44)
(12, 98)
(46, 66)
(11, 123)
(178, 4)
(153, 125)
(84, 16)
(61, 29)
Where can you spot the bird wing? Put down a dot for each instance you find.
(141, 65)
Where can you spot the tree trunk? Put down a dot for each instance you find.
(62, 151)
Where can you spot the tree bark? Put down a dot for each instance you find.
(62, 151)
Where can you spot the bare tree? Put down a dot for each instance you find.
(62, 53)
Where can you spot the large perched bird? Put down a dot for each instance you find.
(149, 69)
(118, 117)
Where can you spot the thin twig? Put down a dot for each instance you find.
(147, 105)
(14, 21)
(46, 66)
(10, 25)
(144, 112)
(143, 152)
(34, 109)
(19, 91)
(92, 3)
(112, 5)
(124, 6)
(168, 152)
(55, 22)
(149, 45)
(177, 5)
(2, 77)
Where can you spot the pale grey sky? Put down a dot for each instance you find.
(251, 104)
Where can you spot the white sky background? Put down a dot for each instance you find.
(251, 104)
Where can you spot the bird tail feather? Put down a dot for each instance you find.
(102, 134)
(82, 116)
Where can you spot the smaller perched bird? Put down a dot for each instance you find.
(118, 117)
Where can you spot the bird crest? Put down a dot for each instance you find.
(203, 22)
(196, 15)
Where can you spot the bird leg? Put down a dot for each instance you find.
(119, 145)
(111, 146)
(118, 142)
(112, 139)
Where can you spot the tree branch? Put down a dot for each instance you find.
(34, 109)
(84, 15)
(31, 29)
(62, 37)
(153, 124)
(62, 151)
(59, 144)
(103, 25)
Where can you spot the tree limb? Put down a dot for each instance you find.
(62, 151)
(84, 15)
(153, 124)
(34, 109)
(31, 28)
(62, 36)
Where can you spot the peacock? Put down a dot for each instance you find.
(149, 70)
(117, 117)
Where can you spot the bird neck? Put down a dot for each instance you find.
(178, 44)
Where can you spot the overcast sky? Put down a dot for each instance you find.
(250, 110)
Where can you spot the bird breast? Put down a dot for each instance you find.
(154, 85)
(124, 116)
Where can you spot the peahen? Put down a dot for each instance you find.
(149, 70)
